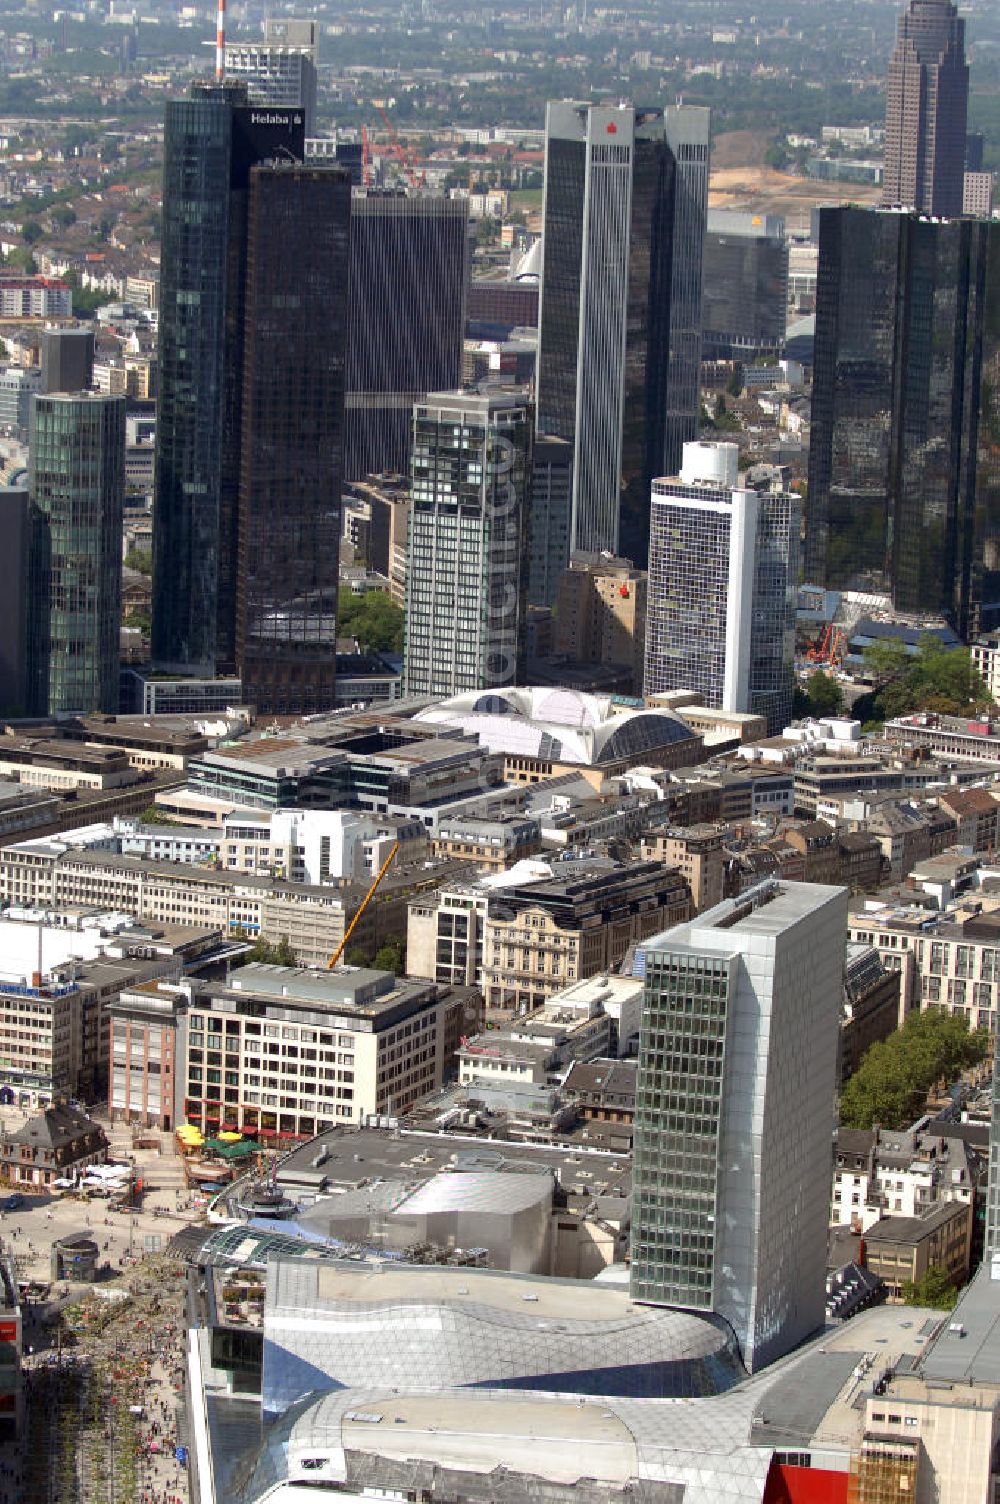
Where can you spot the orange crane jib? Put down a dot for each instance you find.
(364, 904)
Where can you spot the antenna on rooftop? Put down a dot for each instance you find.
(220, 42)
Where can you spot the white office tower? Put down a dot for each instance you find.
(723, 580)
(734, 1113)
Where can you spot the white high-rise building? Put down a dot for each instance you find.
(467, 565)
(723, 580)
(734, 1113)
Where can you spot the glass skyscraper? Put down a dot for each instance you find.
(467, 574)
(734, 1113)
(745, 293)
(406, 320)
(620, 313)
(77, 485)
(211, 141)
(904, 466)
(292, 436)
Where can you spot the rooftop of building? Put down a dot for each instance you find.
(348, 1158)
(559, 725)
(769, 909)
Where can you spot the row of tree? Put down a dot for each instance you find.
(895, 1077)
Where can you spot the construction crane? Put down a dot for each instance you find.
(366, 169)
(364, 904)
(399, 151)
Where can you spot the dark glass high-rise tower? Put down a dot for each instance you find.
(212, 140)
(904, 464)
(926, 108)
(77, 492)
(409, 274)
(292, 436)
(620, 314)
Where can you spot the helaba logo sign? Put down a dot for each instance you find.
(273, 117)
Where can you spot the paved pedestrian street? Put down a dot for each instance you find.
(102, 1397)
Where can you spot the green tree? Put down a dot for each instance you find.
(140, 559)
(891, 1085)
(825, 694)
(389, 957)
(31, 232)
(886, 659)
(272, 953)
(934, 1289)
(373, 618)
(154, 815)
(64, 216)
(937, 678)
(734, 386)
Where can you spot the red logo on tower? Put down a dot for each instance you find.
(612, 128)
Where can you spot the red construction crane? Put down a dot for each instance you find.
(399, 151)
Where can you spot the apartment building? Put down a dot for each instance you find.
(949, 960)
(698, 853)
(902, 1173)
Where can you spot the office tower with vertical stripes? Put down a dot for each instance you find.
(620, 312)
(406, 319)
(280, 69)
(926, 110)
(723, 584)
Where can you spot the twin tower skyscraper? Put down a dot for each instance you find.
(626, 195)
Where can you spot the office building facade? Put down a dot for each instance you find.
(77, 484)
(15, 528)
(723, 580)
(620, 315)
(67, 359)
(549, 517)
(212, 139)
(281, 69)
(292, 436)
(409, 273)
(688, 131)
(734, 1113)
(745, 291)
(904, 473)
(467, 574)
(926, 110)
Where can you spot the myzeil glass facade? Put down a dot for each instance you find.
(678, 1111)
(406, 320)
(904, 491)
(77, 490)
(211, 141)
(467, 575)
(292, 436)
